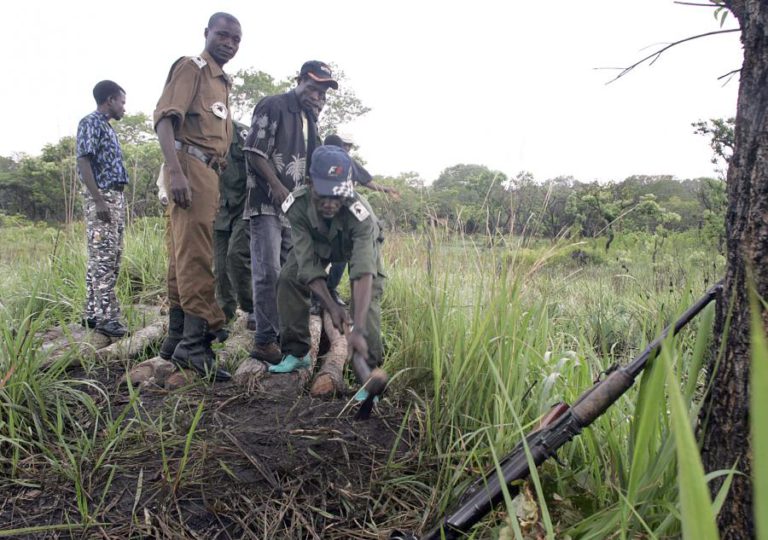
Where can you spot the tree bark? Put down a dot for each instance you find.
(726, 432)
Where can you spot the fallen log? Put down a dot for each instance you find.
(133, 344)
(251, 372)
(329, 380)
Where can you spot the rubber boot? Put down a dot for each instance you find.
(194, 350)
(175, 332)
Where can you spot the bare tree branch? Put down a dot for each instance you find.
(651, 58)
(700, 5)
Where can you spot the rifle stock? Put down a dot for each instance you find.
(557, 427)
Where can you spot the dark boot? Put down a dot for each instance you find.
(194, 350)
(175, 332)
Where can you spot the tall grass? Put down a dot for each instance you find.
(483, 336)
(492, 338)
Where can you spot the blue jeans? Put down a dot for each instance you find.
(270, 244)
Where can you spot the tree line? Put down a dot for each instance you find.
(466, 198)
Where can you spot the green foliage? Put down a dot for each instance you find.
(721, 138)
(250, 85)
(342, 105)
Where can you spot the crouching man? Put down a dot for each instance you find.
(330, 223)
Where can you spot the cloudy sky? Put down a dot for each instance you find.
(510, 85)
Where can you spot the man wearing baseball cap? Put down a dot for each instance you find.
(278, 149)
(330, 222)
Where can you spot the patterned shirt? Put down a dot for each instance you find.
(97, 140)
(277, 135)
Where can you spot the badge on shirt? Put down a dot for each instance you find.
(289, 200)
(219, 109)
(199, 61)
(359, 210)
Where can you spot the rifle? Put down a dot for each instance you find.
(561, 424)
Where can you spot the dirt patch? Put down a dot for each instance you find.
(221, 461)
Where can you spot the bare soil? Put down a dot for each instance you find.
(269, 462)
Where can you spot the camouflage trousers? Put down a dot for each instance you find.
(105, 251)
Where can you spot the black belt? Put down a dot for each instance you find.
(198, 154)
(116, 187)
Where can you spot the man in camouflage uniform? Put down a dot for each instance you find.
(330, 223)
(231, 235)
(102, 171)
(193, 125)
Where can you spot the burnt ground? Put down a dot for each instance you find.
(265, 462)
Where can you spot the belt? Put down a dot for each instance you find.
(116, 187)
(197, 153)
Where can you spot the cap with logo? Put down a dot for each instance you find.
(320, 72)
(331, 172)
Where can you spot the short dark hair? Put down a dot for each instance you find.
(105, 90)
(222, 15)
(333, 140)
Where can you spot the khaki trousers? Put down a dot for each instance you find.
(189, 238)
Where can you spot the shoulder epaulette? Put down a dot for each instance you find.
(199, 61)
(359, 210)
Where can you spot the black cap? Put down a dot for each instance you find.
(320, 72)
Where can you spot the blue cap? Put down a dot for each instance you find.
(331, 172)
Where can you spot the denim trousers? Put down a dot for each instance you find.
(270, 244)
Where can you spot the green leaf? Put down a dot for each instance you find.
(697, 515)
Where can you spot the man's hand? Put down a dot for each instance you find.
(180, 192)
(279, 193)
(356, 343)
(102, 211)
(339, 317)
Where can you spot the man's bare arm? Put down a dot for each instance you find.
(178, 183)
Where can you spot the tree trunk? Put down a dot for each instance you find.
(726, 436)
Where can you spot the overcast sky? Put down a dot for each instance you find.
(509, 85)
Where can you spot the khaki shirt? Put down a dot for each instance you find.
(349, 238)
(196, 97)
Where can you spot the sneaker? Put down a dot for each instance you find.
(113, 328)
(291, 363)
(362, 395)
(267, 352)
(337, 298)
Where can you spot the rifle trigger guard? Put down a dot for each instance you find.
(605, 373)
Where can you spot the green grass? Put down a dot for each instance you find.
(481, 337)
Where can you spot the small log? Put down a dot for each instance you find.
(134, 343)
(152, 372)
(249, 373)
(330, 379)
(181, 378)
(303, 376)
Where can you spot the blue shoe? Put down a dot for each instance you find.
(362, 395)
(290, 363)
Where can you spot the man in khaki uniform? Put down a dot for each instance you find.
(193, 125)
